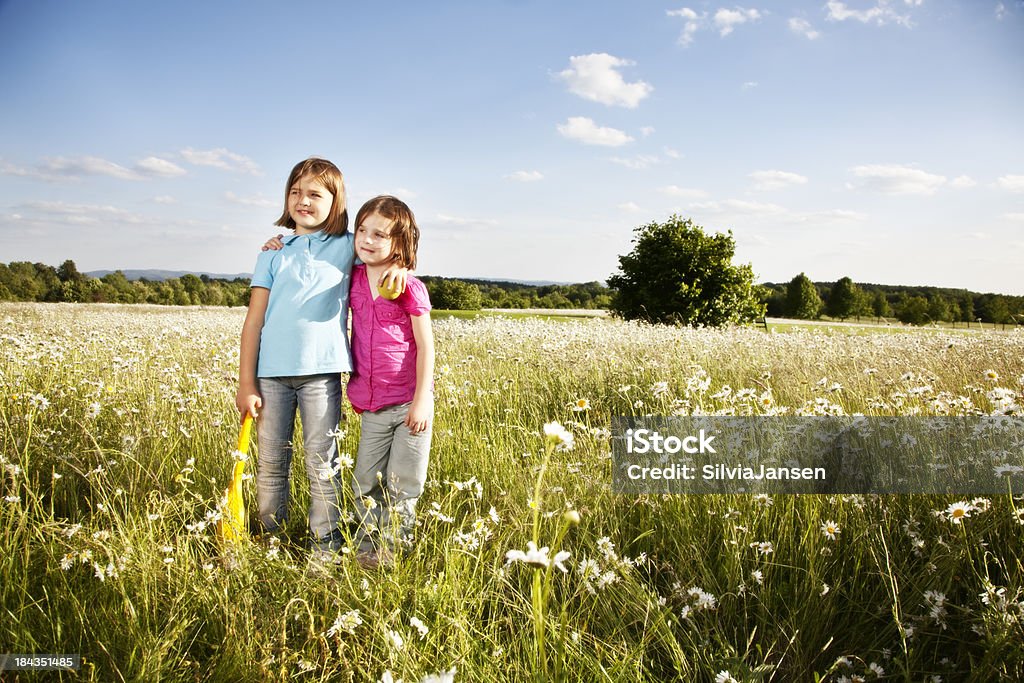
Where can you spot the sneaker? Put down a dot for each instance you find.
(367, 559)
(321, 562)
(371, 560)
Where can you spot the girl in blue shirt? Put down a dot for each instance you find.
(294, 347)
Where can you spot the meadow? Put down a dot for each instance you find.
(117, 426)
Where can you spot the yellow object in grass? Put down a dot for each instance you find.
(232, 524)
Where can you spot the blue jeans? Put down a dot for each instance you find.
(318, 399)
(388, 478)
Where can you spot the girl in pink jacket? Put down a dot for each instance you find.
(391, 384)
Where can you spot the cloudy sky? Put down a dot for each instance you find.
(879, 139)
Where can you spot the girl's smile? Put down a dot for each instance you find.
(373, 240)
(309, 205)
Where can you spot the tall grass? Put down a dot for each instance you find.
(117, 424)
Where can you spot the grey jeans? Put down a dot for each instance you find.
(388, 477)
(318, 399)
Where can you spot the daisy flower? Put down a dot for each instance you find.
(537, 558)
(958, 510)
(419, 626)
(558, 436)
(830, 530)
(395, 640)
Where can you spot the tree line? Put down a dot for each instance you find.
(677, 273)
(24, 281)
(845, 299)
(707, 261)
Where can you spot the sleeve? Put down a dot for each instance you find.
(263, 274)
(415, 300)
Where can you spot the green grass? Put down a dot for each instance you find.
(135, 415)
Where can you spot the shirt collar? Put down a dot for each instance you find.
(320, 235)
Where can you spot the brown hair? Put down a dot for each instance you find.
(328, 175)
(405, 234)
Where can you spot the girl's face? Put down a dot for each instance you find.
(373, 240)
(309, 205)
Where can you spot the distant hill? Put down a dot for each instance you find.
(155, 275)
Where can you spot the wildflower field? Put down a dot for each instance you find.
(117, 427)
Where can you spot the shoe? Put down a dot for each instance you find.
(321, 562)
(367, 559)
(371, 560)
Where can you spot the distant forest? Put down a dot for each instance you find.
(24, 281)
(800, 298)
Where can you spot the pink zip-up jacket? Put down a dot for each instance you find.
(383, 346)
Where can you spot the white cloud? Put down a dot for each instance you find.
(594, 77)
(687, 192)
(88, 165)
(775, 180)
(75, 168)
(165, 199)
(1019, 217)
(250, 201)
(629, 207)
(837, 215)
(962, 181)
(1013, 183)
(403, 193)
(692, 25)
(880, 14)
(647, 131)
(640, 161)
(748, 212)
(1000, 11)
(671, 153)
(155, 166)
(525, 176)
(83, 214)
(726, 20)
(222, 159)
(804, 28)
(749, 85)
(895, 179)
(461, 222)
(740, 207)
(586, 131)
(7, 168)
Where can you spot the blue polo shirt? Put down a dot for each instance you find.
(304, 327)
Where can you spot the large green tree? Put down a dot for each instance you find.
(912, 309)
(678, 274)
(996, 310)
(802, 298)
(454, 295)
(880, 305)
(843, 299)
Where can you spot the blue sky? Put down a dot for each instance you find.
(879, 139)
